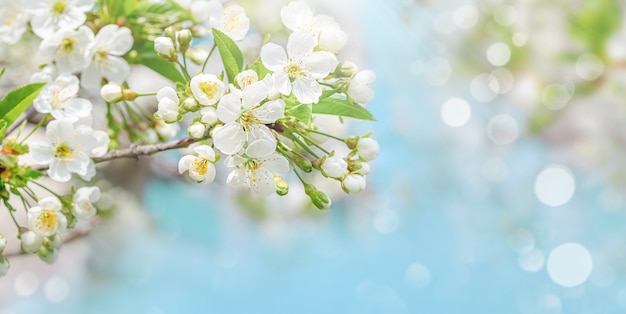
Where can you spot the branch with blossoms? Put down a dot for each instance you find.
(262, 116)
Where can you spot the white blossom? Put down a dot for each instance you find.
(69, 149)
(199, 167)
(256, 174)
(231, 20)
(106, 55)
(208, 115)
(299, 67)
(245, 114)
(59, 99)
(14, 21)
(168, 105)
(246, 78)
(197, 130)
(52, 15)
(83, 200)
(207, 89)
(68, 48)
(353, 183)
(167, 130)
(368, 148)
(360, 87)
(46, 219)
(334, 167)
(164, 46)
(299, 17)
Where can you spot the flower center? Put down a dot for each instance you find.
(201, 166)
(10, 20)
(293, 70)
(253, 165)
(231, 20)
(209, 89)
(68, 44)
(247, 119)
(86, 205)
(62, 151)
(58, 7)
(101, 55)
(48, 220)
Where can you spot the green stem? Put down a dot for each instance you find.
(145, 94)
(46, 188)
(297, 174)
(325, 134)
(183, 68)
(40, 124)
(11, 210)
(208, 57)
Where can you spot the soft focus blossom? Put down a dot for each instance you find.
(334, 167)
(13, 21)
(30, 241)
(52, 15)
(168, 105)
(83, 201)
(231, 20)
(353, 183)
(368, 148)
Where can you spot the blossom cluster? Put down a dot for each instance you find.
(261, 116)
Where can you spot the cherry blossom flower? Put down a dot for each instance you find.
(52, 15)
(360, 87)
(231, 20)
(83, 200)
(334, 167)
(168, 105)
(368, 148)
(353, 183)
(105, 53)
(69, 149)
(59, 99)
(199, 167)
(68, 48)
(256, 174)
(245, 114)
(299, 17)
(207, 89)
(46, 219)
(15, 21)
(299, 65)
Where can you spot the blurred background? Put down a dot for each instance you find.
(499, 187)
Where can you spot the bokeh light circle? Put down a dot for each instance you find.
(498, 54)
(502, 129)
(569, 264)
(589, 66)
(456, 112)
(555, 186)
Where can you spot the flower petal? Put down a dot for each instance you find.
(229, 108)
(299, 45)
(273, 56)
(307, 90)
(270, 111)
(275, 163)
(229, 138)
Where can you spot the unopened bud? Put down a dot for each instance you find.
(347, 69)
(184, 40)
(191, 105)
(318, 198)
(111, 92)
(334, 167)
(353, 183)
(197, 130)
(303, 164)
(352, 141)
(368, 148)
(282, 187)
(31, 242)
(170, 33)
(164, 46)
(208, 115)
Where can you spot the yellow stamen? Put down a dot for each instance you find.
(58, 7)
(47, 220)
(209, 89)
(201, 166)
(63, 151)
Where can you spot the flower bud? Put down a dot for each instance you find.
(190, 104)
(368, 148)
(352, 142)
(111, 92)
(282, 187)
(184, 40)
(4, 266)
(347, 69)
(319, 198)
(303, 164)
(47, 255)
(197, 130)
(360, 87)
(334, 167)
(364, 169)
(164, 46)
(208, 115)
(128, 94)
(31, 242)
(166, 130)
(170, 33)
(353, 183)
(53, 242)
(246, 78)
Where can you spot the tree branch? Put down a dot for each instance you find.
(135, 150)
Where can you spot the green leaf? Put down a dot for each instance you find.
(231, 55)
(32, 174)
(161, 66)
(169, 7)
(18, 100)
(301, 112)
(2, 72)
(342, 108)
(129, 6)
(260, 69)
